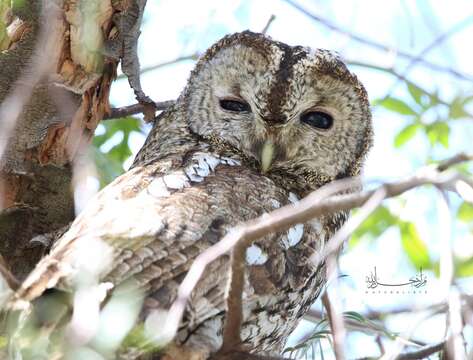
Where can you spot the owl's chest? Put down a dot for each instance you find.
(279, 261)
(280, 279)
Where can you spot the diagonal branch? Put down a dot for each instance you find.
(336, 325)
(422, 353)
(268, 24)
(436, 42)
(316, 204)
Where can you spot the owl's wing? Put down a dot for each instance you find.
(152, 222)
(149, 226)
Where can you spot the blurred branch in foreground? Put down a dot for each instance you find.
(320, 202)
(423, 352)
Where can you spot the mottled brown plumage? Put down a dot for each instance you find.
(199, 174)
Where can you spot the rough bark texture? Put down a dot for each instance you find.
(58, 61)
(68, 99)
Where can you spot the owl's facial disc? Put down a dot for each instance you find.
(294, 111)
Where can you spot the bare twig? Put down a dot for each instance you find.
(379, 342)
(436, 42)
(454, 322)
(454, 160)
(369, 327)
(393, 72)
(233, 319)
(179, 59)
(314, 205)
(116, 113)
(335, 317)
(423, 352)
(352, 224)
(377, 45)
(336, 325)
(268, 24)
(10, 279)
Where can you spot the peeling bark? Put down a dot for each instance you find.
(60, 117)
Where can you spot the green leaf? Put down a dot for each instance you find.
(320, 334)
(415, 92)
(397, 105)
(467, 99)
(379, 220)
(107, 169)
(353, 315)
(438, 132)
(464, 268)
(4, 9)
(406, 134)
(465, 212)
(434, 98)
(415, 248)
(17, 4)
(457, 109)
(110, 164)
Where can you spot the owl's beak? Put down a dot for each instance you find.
(267, 155)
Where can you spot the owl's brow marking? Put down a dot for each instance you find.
(278, 93)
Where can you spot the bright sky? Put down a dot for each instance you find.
(176, 28)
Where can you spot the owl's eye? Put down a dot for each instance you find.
(318, 119)
(234, 105)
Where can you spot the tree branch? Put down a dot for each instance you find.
(423, 352)
(10, 279)
(116, 113)
(368, 327)
(316, 204)
(336, 325)
(268, 24)
(140, 108)
(400, 76)
(436, 42)
(145, 69)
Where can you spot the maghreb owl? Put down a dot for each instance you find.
(259, 125)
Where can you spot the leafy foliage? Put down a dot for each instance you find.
(4, 9)
(397, 105)
(418, 109)
(377, 223)
(416, 249)
(311, 346)
(465, 212)
(437, 131)
(112, 149)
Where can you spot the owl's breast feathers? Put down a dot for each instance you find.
(149, 225)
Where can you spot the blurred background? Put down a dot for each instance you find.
(415, 59)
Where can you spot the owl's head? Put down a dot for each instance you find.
(296, 113)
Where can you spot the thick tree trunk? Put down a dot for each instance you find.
(54, 88)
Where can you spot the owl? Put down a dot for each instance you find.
(259, 125)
